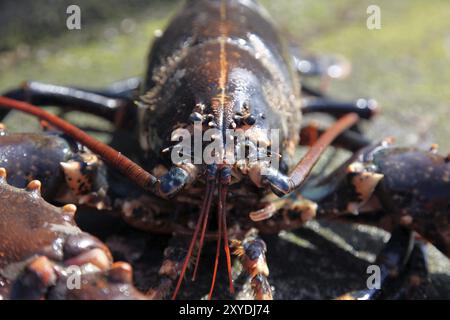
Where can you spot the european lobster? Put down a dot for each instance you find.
(222, 65)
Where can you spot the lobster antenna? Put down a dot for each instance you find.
(209, 186)
(223, 232)
(206, 208)
(225, 236)
(219, 239)
(114, 158)
(306, 164)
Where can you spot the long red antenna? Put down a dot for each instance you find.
(222, 232)
(306, 164)
(209, 186)
(206, 207)
(114, 158)
(219, 239)
(225, 236)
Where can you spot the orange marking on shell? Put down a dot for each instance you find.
(44, 268)
(365, 184)
(34, 186)
(121, 272)
(96, 256)
(70, 209)
(434, 148)
(3, 173)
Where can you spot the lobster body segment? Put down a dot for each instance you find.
(223, 60)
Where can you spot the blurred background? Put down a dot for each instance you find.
(405, 66)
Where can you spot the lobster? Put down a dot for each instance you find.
(221, 65)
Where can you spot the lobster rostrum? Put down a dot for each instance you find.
(222, 65)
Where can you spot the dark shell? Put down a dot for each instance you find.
(28, 156)
(30, 228)
(417, 184)
(225, 51)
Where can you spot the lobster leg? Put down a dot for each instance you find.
(123, 89)
(288, 212)
(252, 254)
(307, 90)
(364, 108)
(330, 66)
(414, 281)
(110, 103)
(391, 261)
(349, 140)
(171, 267)
(325, 67)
